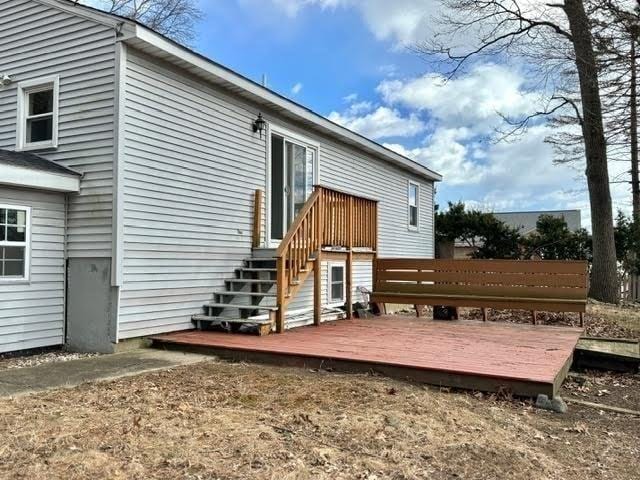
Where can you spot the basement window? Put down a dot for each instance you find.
(14, 242)
(413, 203)
(337, 284)
(38, 114)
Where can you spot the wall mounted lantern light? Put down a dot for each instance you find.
(259, 124)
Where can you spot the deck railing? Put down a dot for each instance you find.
(329, 218)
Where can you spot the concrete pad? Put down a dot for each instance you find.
(51, 376)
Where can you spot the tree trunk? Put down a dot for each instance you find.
(633, 133)
(604, 278)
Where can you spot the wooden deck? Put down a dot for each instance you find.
(489, 356)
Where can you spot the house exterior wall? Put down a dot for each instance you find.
(362, 277)
(41, 41)
(190, 168)
(32, 312)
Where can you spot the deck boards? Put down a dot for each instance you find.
(537, 356)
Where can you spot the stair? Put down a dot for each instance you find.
(248, 301)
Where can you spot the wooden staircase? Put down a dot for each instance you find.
(257, 297)
(247, 302)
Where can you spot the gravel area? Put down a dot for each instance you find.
(31, 360)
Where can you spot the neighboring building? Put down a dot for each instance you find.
(128, 172)
(525, 222)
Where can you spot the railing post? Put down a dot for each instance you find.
(350, 258)
(317, 272)
(280, 288)
(257, 218)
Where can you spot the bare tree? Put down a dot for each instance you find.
(615, 26)
(552, 34)
(174, 18)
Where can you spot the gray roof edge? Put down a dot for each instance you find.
(31, 161)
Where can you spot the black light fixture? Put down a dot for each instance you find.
(259, 124)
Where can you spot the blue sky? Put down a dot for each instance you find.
(348, 60)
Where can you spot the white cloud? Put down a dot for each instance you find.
(445, 152)
(352, 97)
(400, 21)
(478, 97)
(383, 122)
(295, 90)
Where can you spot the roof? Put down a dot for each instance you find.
(526, 221)
(143, 38)
(33, 162)
(23, 169)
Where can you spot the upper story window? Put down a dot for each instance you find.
(38, 114)
(414, 202)
(14, 242)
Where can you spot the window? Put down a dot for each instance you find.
(336, 284)
(14, 242)
(414, 201)
(38, 114)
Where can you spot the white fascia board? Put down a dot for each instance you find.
(152, 39)
(84, 11)
(28, 178)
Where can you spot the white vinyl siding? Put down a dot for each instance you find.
(40, 41)
(303, 301)
(190, 169)
(32, 312)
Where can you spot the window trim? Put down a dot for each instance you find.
(413, 228)
(331, 301)
(24, 89)
(26, 244)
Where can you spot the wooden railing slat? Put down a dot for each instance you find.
(331, 218)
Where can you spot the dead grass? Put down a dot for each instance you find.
(222, 421)
(626, 316)
(601, 319)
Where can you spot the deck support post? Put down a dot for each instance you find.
(349, 272)
(317, 289)
(581, 320)
(280, 302)
(485, 315)
(534, 314)
(317, 272)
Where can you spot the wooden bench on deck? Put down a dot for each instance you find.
(535, 285)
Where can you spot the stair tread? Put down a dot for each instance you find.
(207, 318)
(248, 280)
(241, 307)
(246, 294)
(250, 269)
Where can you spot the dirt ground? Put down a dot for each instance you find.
(601, 319)
(220, 420)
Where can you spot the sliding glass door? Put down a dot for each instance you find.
(293, 171)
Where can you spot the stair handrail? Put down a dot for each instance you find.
(297, 223)
(313, 227)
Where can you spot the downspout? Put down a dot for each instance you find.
(117, 239)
